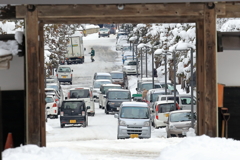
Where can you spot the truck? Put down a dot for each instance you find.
(75, 50)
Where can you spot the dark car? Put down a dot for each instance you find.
(111, 27)
(114, 98)
(120, 77)
(73, 112)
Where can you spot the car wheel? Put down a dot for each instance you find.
(103, 107)
(56, 116)
(62, 125)
(98, 36)
(70, 83)
(93, 114)
(84, 124)
(106, 111)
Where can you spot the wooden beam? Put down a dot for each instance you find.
(136, 10)
(32, 78)
(232, 10)
(209, 73)
(42, 86)
(200, 76)
(94, 20)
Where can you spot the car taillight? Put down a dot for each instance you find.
(68, 95)
(177, 106)
(61, 114)
(54, 105)
(83, 113)
(57, 75)
(71, 75)
(157, 111)
(56, 100)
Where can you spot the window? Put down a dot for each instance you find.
(103, 77)
(168, 107)
(118, 95)
(64, 69)
(117, 75)
(187, 100)
(105, 89)
(73, 105)
(49, 100)
(134, 112)
(183, 116)
(80, 93)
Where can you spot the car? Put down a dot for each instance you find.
(64, 74)
(178, 123)
(96, 87)
(120, 77)
(170, 87)
(86, 94)
(111, 27)
(103, 90)
(121, 34)
(120, 41)
(130, 67)
(74, 112)
(134, 120)
(52, 92)
(184, 100)
(126, 48)
(114, 98)
(152, 95)
(104, 32)
(102, 75)
(56, 86)
(51, 107)
(160, 110)
(147, 85)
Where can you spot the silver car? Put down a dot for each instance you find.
(178, 123)
(134, 120)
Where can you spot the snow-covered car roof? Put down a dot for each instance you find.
(111, 84)
(49, 89)
(164, 102)
(79, 88)
(103, 74)
(135, 104)
(122, 90)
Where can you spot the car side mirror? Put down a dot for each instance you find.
(136, 89)
(105, 96)
(55, 70)
(65, 97)
(115, 115)
(88, 107)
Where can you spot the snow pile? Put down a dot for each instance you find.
(28, 152)
(202, 148)
(11, 46)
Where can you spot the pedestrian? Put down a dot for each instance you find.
(123, 58)
(92, 54)
(144, 94)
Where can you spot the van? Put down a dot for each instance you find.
(120, 77)
(134, 120)
(103, 90)
(64, 74)
(85, 94)
(73, 112)
(183, 100)
(152, 95)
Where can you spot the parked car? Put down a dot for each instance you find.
(52, 92)
(74, 111)
(120, 77)
(114, 98)
(170, 87)
(134, 120)
(178, 123)
(56, 86)
(96, 87)
(51, 107)
(104, 32)
(160, 110)
(120, 41)
(184, 100)
(64, 74)
(85, 94)
(111, 27)
(147, 85)
(121, 34)
(130, 67)
(152, 95)
(102, 75)
(103, 89)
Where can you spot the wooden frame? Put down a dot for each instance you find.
(199, 13)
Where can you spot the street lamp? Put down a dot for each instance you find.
(165, 59)
(184, 47)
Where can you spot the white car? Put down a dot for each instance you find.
(85, 94)
(160, 112)
(121, 40)
(64, 74)
(102, 75)
(130, 67)
(96, 87)
(51, 107)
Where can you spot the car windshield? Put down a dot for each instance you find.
(52, 86)
(73, 105)
(155, 96)
(132, 63)
(110, 87)
(168, 107)
(149, 86)
(181, 116)
(49, 100)
(103, 77)
(79, 93)
(119, 95)
(187, 100)
(134, 112)
(117, 75)
(64, 69)
(103, 29)
(97, 84)
(50, 80)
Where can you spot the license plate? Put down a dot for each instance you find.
(133, 135)
(64, 76)
(72, 121)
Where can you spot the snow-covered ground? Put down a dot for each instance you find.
(98, 141)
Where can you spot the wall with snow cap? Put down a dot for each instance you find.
(13, 78)
(228, 67)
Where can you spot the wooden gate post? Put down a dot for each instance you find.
(209, 71)
(33, 109)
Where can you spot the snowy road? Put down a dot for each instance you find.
(99, 141)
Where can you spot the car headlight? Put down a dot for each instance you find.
(146, 124)
(111, 103)
(172, 127)
(122, 123)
